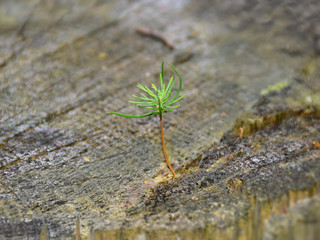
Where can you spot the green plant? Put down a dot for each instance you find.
(159, 102)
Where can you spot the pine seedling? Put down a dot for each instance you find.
(159, 101)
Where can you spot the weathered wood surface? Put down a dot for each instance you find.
(65, 64)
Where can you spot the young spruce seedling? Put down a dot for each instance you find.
(159, 102)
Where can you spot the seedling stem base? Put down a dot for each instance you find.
(164, 147)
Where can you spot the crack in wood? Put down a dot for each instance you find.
(34, 157)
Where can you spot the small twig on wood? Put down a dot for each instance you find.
(154, 35)
(21, 30)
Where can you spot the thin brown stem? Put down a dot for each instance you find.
(164, 148)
